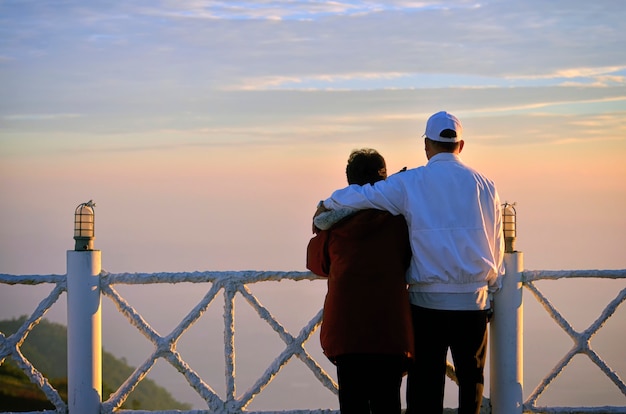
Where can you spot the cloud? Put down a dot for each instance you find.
(592, 77)
(190, 64)
(580, 72)
(290, 9)
(320, 82)
(225, 44)
(39, 117)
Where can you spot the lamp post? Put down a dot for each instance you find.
(506, 327)
(84, 322)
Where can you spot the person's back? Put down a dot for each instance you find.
(459, 203)
(366, 309)
(367, 328)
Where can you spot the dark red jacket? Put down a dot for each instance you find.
(365, 257)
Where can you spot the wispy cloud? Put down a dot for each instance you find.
(593, 77)
(293, 10)
(310, 43)
(322, 82)
(142, 65)
(597, 75)
(39, 117)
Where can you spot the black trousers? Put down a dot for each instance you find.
(370, 383)
(436, 331)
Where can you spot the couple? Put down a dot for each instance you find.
(436, 228)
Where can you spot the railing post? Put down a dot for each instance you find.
(507, 354)
(84, 335)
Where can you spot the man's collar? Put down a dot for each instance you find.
(444, 156)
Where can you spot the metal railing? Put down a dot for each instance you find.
(165, 346)
(582, 339)
(233, 283)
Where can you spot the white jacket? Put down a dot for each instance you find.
(455, 223)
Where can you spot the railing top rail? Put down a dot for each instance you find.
(246, 276)
(251, 276)
(532, 275)
(30, 279)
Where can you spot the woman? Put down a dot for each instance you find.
(367, 330)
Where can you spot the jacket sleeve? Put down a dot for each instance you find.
(496, 283)
(317, 259)
(388, 195)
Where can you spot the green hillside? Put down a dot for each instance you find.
(46, 348)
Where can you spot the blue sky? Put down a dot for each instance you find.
(311, 45)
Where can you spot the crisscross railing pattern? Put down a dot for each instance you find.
(165, 346)
(10, 346)
(582, 340)
(232, 283)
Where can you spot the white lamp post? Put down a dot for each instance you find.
(84, 322)
(506, 327)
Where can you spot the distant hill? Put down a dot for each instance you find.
(46, 348)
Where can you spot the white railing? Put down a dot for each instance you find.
(582, 340)
(165, 346)
(232, 283)
(10, 346)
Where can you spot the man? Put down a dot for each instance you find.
(366, 331)
(455, 225)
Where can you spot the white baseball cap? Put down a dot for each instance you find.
(440, 122)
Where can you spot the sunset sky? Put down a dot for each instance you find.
(207, 131)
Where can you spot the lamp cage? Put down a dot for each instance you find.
(509, 225)
(84, 229)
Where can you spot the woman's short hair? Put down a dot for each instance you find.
(365, 166)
